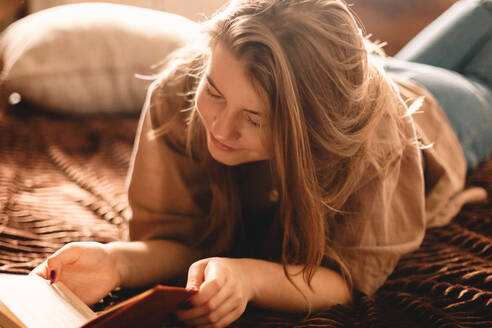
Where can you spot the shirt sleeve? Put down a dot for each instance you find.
(388, 222)
(167, 190)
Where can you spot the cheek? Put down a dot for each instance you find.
(262, 144)
(267, 143)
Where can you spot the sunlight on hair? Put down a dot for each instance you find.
(415, 106)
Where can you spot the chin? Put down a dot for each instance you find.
(226, 161)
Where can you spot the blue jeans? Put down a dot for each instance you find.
(452, 59)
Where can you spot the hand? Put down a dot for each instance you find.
(86, 268)
(223, 292)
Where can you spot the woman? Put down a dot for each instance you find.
(278, 165)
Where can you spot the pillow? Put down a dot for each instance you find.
(480, 65)
(82, 58)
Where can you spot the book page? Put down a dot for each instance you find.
(38, 304)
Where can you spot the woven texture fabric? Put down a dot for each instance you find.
(63, 179)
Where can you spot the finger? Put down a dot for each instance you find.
(215, 278)
(228, 318)
(218, 315)
(214, 303)
(196, 275)
(213, 292)
(68, 254)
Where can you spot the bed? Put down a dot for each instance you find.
(62, 179)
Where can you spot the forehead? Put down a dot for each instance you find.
(229, 76)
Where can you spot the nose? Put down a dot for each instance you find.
(224, 126)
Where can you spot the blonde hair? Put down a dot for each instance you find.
(309, 61)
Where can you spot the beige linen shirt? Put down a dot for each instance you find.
(169, 193)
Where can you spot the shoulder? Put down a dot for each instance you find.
(167, 98)
(173, 90)
(170, 100)
(443, 159)
(437, 138)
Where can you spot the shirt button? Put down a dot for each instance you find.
(273, 195)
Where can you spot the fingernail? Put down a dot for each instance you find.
(186, 305)
(192, 289)
(52, 276)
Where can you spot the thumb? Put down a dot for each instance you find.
(196, 275)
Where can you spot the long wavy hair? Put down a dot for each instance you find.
(308, 61)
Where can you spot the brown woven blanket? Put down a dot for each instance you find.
(62, 179)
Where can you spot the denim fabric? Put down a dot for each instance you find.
(452, 58)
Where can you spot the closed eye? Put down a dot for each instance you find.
(252, 122)
(211, 94)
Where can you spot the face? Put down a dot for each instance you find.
(232, 112)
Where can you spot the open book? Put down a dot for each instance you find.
(31, 301)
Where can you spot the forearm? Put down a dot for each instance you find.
(142, 263)
(272, 289)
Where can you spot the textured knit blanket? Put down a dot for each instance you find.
(62, 179)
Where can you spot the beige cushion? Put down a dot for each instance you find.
(82, 58)
(192, 9)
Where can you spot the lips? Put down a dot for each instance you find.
(220, 145)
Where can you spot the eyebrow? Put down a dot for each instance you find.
(211, 81)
